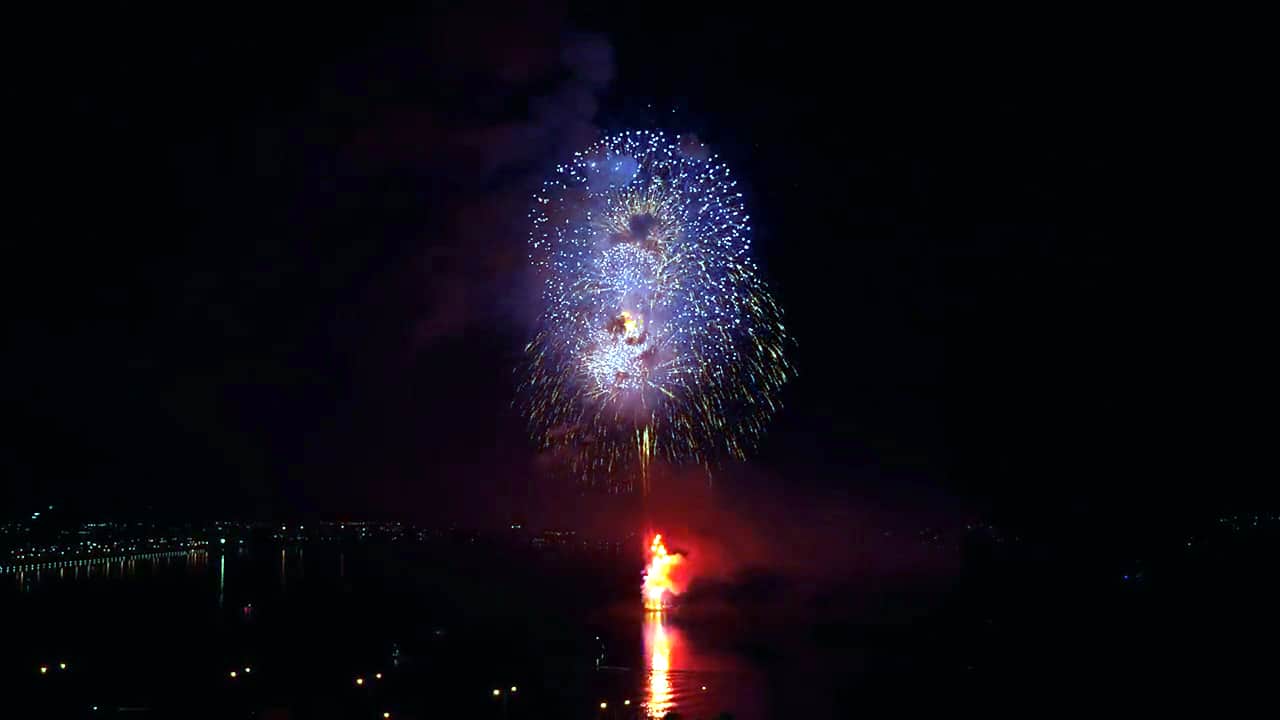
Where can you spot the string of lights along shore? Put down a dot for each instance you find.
(657, 337)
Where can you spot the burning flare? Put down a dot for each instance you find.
(657, 576)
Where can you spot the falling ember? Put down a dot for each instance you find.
(657, 576)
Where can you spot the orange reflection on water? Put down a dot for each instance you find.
(658, 641)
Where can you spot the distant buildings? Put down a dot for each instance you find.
(41, 540)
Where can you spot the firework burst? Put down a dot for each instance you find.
(657, 336)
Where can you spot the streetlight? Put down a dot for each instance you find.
(496, 692)
(233, 674)
(377, 676)
(603, 705)
(359, 681)
(513, 688)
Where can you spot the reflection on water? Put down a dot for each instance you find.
(658, 641)
(31, 575)
(682, 673)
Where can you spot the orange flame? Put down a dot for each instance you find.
(657, 576)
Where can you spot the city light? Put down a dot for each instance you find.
(386, 715)
(247, 669)
(513, 688)
(44, 669)
(603, 705)
(62, 666)
(626, 702)
(377, 676)
(496, 692)
(359, 681)
(233, 674)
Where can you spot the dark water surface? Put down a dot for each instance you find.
(448, 623)
(315, 624)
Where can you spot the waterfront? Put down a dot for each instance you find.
(447, 626)
(315, 631)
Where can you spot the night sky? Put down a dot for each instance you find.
(279, 265)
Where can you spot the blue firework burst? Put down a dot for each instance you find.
(657, 337)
